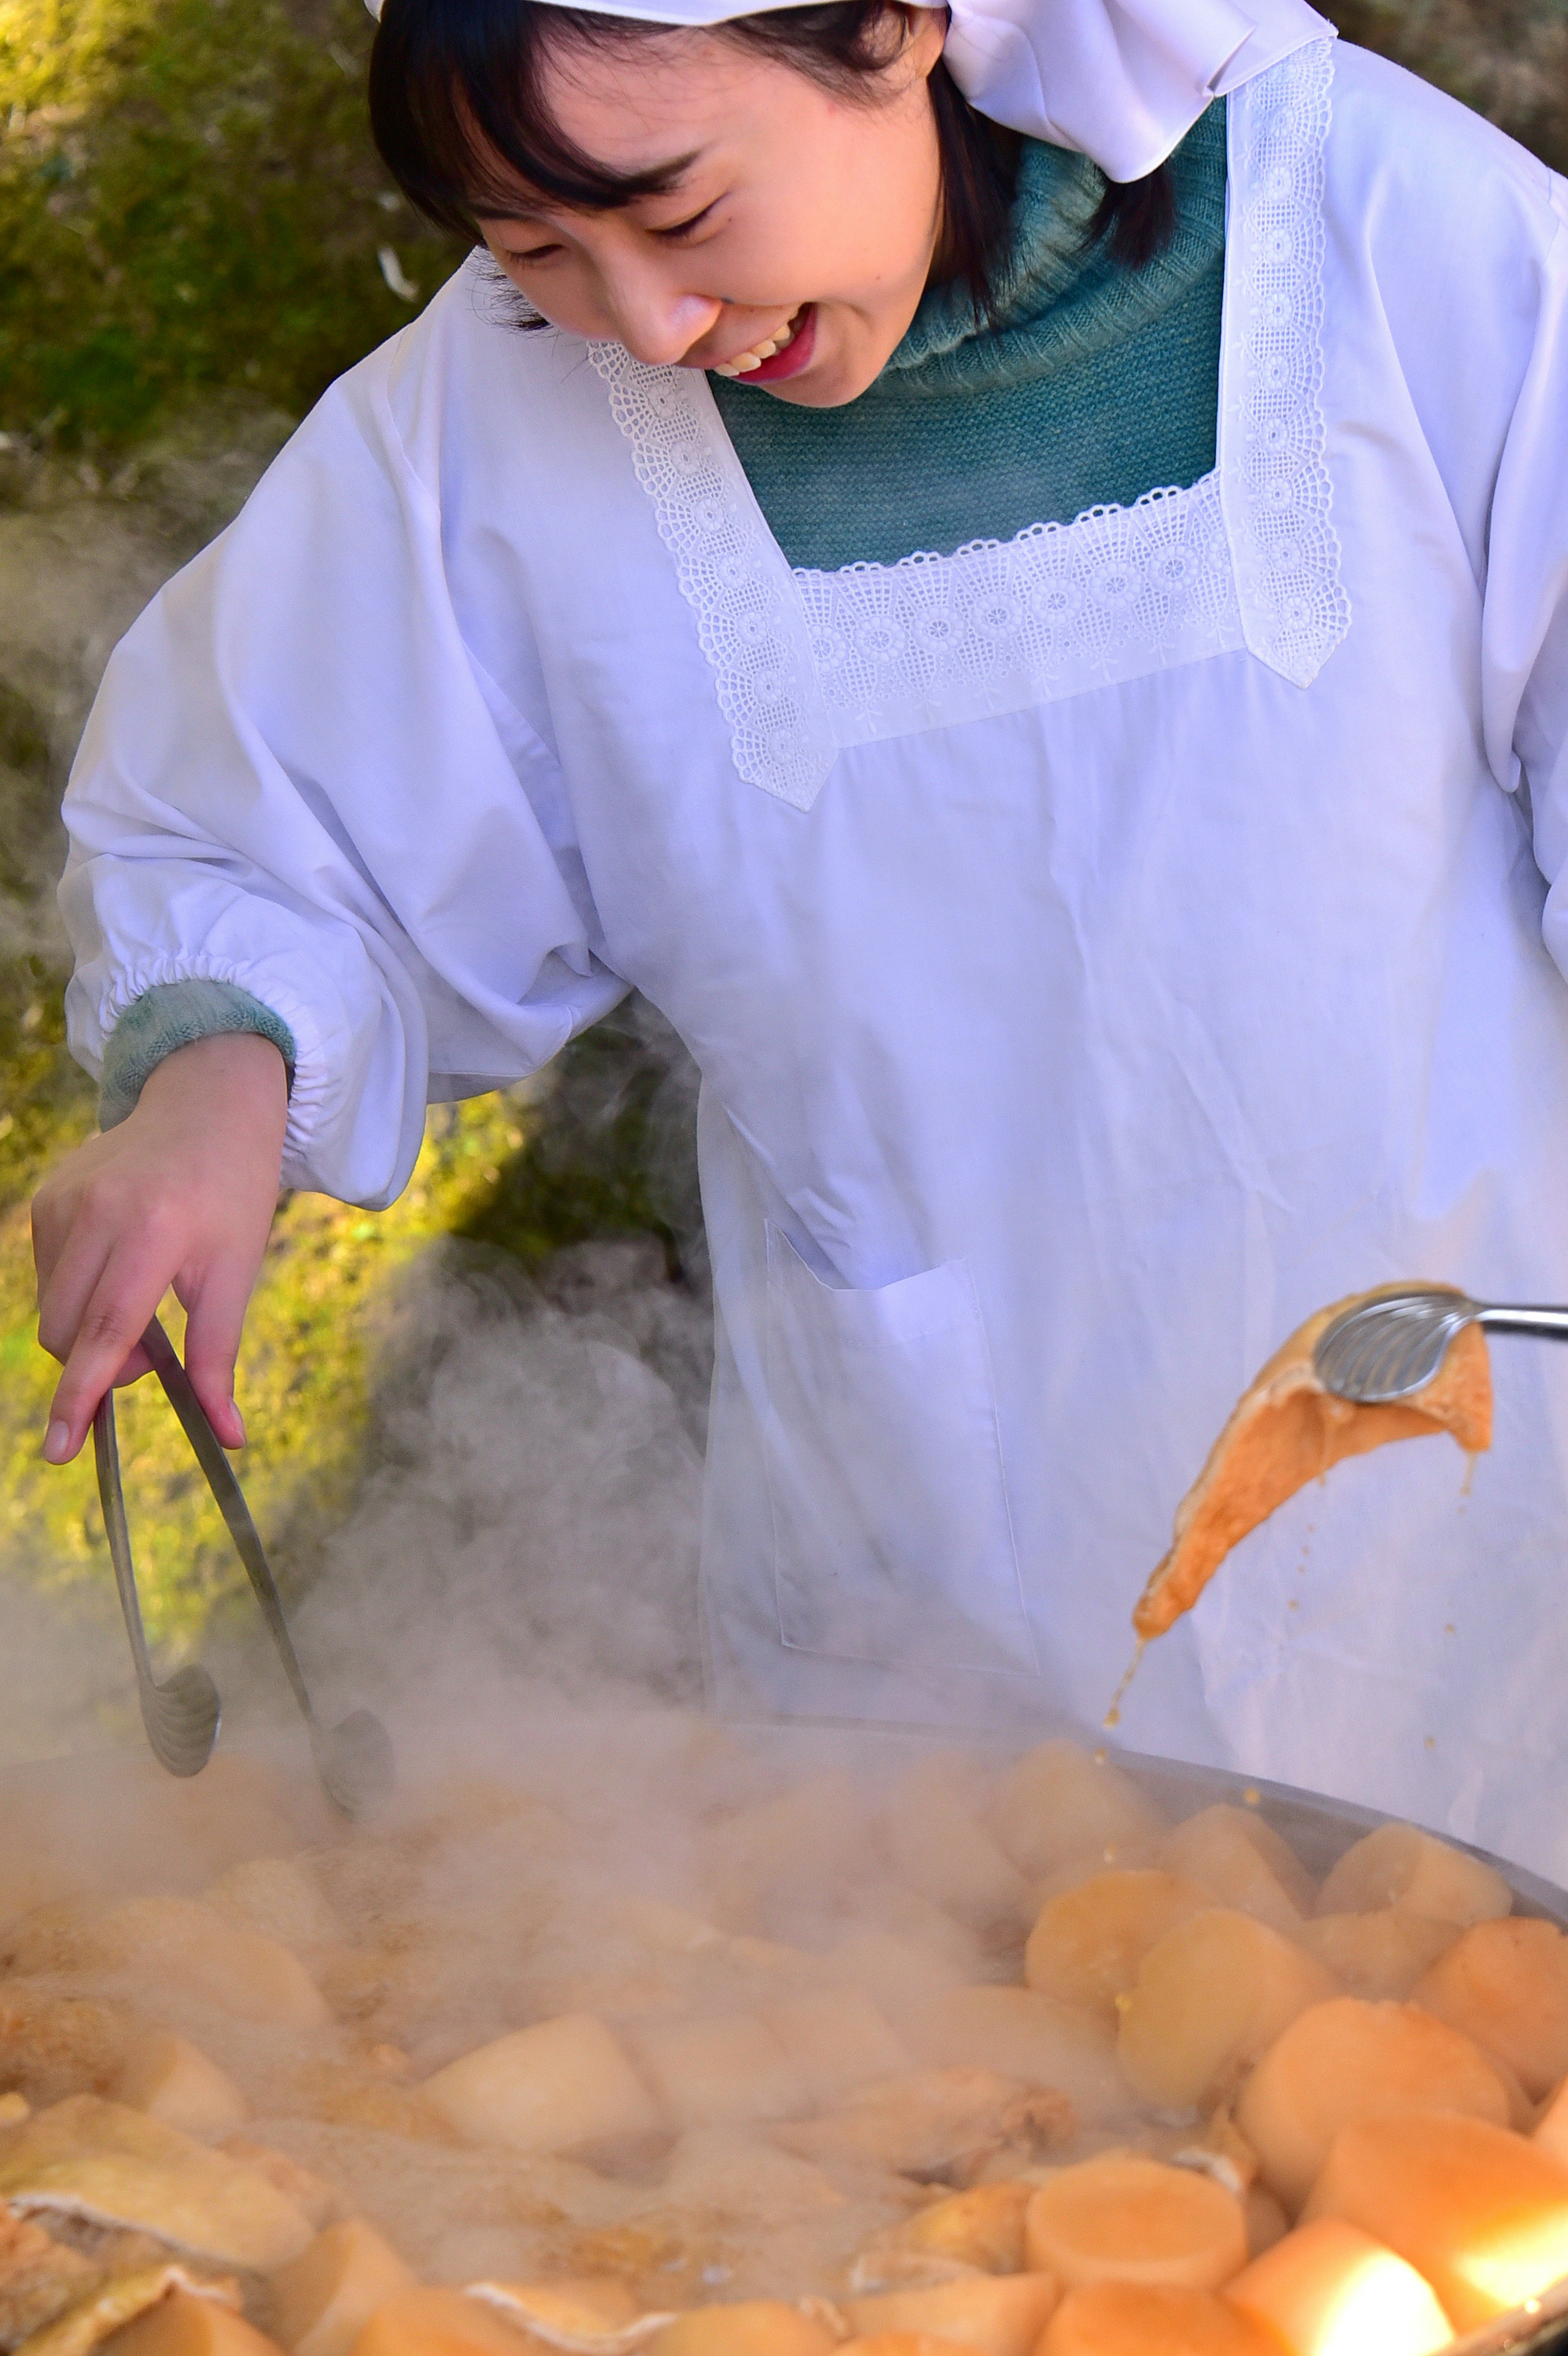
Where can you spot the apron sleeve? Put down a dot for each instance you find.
(1525, 614)
(296, 780)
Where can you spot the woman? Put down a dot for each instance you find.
(1044, 667)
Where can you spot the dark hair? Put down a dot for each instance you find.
(456, 92)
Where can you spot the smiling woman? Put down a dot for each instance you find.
(1038, 707)
(760, 204)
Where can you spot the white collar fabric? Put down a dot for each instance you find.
(1123, 81)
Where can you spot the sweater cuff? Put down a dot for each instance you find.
(176, 1014)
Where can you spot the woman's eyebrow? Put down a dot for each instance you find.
(654, 180)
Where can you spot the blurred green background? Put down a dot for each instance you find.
(196, 237)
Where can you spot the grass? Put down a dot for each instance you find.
(189, 204)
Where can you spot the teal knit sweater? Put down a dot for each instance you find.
(1095, 384)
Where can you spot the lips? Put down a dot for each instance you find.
(788, 356)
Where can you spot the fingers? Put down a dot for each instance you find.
(128, 1286)
(215, 1319)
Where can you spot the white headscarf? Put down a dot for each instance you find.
(1121, 80)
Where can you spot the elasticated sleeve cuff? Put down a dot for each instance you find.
(176, 1014)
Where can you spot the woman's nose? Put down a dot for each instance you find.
(660, 328)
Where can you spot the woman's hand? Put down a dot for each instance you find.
(181, 1193)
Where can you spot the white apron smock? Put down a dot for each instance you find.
(1099, 950)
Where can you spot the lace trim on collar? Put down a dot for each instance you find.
(808, 662)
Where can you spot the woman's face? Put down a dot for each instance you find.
(799, 218)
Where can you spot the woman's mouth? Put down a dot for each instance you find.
(779, 356)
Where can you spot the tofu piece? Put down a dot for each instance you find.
(323, 2299)
(720, 2072)
(556, 2086)
(172, 2079)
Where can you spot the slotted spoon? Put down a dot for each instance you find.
(1383, 1350)
(353, 1759)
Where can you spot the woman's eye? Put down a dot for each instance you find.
(535, 253)
(677, 230)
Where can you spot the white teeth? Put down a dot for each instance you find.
(745, 362)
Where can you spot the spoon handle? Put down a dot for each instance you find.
(1545, 1324)
(230, 1501)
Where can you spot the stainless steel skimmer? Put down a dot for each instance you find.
(1385, 1349)
(354, 1759)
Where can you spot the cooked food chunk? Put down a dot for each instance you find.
(90, 2158)
(938, 1843)
(931, 2121)
(1057, 1804)
(186, 2324)
(720, 2072)
(1000, 2315)
(1351, 2060)
(440, 2322)
(1115, 2319)
(1329, 2290)
(983, 2228)
(1378, 1955)
(39, 2278)
(1088, 1941)
(1024, 2034)
(1400, 1866)
(837, 2040)
(761, 2326)
(1480, 2213)
(221, 1963)
(172, 2079)
(1242, 1862)
(1209, 2000)
(1124, 2218)
(1286, 1429)
(554, 2088)
(1505, 1983)
(323, 2299)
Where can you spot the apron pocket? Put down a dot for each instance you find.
(892, 1541)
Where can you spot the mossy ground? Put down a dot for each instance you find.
(191, 214)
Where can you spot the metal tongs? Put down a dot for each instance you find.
(354, 1759)
(1383, 1350)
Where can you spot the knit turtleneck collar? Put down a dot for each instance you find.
(1058, 298)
